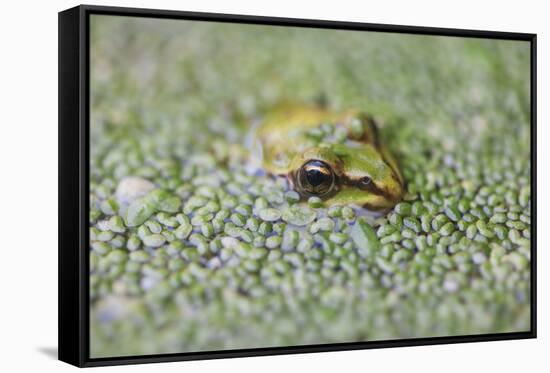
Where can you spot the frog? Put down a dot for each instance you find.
(352, 167)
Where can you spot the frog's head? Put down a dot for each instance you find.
(358, 173)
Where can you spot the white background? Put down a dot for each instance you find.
(28, 185)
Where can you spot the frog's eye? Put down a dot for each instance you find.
(316, 177)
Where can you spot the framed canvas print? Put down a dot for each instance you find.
(237, 185)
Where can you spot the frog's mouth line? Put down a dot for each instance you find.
(377, 209)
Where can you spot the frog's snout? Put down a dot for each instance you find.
(384, 196)
(394, 189)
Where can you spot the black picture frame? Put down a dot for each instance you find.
(74, 183)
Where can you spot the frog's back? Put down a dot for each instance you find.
(281, 133)
(283, 118)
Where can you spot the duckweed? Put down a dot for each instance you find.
(299, 215)
(139, 211)
(205, 253)
(154, 240)
(270, 214)
(315, 202)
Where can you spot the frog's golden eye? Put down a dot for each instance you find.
(316, 178)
